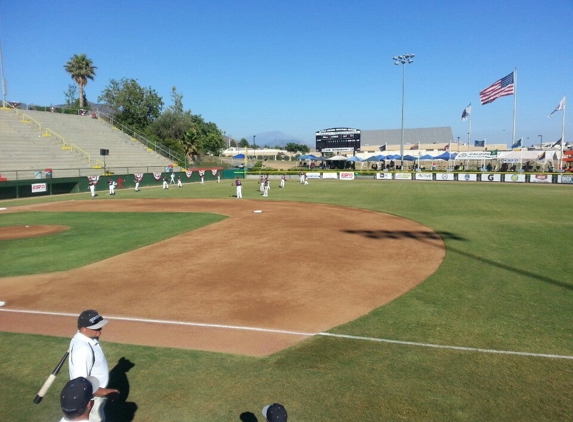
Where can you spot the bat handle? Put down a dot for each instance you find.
(44, 389)
(50, 379)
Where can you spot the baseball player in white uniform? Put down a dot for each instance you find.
(111, 185)
(266, 187)
(179, 184)
(92, 188)
(87, 359)
(283, 180)
(239, 186)
(165, 184)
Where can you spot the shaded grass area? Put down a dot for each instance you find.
(91, 237)
(505, 284)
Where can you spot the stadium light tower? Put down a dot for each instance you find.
(403, 60)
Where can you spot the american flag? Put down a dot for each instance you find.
(501, 88)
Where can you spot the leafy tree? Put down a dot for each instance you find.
(210, 138)
(177, 106)
(173, 123)
(81, 69)
(243, 143)
(180, 129)
(71, 95)
(135, 106)
(190, 143)
(294, 148)
(233, 143)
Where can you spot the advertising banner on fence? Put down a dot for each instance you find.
(565, 178)
(384, 176)
(540, 178)
(39, 187)
(515, 178)
(490, 177)
(403, 176)
(467, 177)
(475, 155)
(329, 175)
(423, 176)
(313, 175)
(346, 175)
(445, 176)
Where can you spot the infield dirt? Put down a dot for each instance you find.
(297, 267)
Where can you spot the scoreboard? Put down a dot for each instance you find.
(338, 139)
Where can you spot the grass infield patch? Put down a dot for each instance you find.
(92, 237)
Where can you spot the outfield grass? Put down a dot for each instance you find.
(505, 284)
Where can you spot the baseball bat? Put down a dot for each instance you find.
(50, 379)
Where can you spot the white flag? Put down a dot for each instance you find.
(561, 106)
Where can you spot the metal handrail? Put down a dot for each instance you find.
(73, 147)
(153, 145)
(50, 132)
(26, 118)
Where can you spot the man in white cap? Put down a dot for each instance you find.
(87, 359)
(77, 398)
(275, 413)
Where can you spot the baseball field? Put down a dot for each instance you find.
(343, 300)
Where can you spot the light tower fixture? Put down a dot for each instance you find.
(403, 60)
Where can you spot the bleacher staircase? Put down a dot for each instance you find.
(32, 141)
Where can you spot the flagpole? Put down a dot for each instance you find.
(4, 93)
(563, 133)
(514, 104)
(521, 155)
(470, 130)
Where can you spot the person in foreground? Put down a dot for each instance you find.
(76, 398)
(87, 359)
(275, 413)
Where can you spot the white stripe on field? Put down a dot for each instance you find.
(297, 333)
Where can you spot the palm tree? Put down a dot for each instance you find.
(80, 69)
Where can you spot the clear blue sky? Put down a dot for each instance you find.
(254, 66)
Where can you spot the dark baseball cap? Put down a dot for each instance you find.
(91, 319)
(77, 393)
(275, 413)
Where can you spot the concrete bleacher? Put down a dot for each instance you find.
(68, 144)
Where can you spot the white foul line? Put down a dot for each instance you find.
(298, 333)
